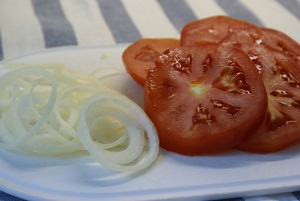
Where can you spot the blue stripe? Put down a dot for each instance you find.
(178, 12)
(7, 197)
(296, 194)
(236, 9)
(1, 48)
(56, 28)
(291, 5)
(118, 21)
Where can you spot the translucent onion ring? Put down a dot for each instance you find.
(135, 111)
(8, 80)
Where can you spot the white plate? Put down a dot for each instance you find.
(230, 174)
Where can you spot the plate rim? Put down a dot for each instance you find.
(193, 193)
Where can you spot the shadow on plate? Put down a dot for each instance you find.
(234, 158)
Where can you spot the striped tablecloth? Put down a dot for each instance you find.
(29, 26)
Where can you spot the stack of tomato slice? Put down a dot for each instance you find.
(225, 84)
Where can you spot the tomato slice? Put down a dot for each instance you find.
(141, 55)
(279, 65)
(273, 39)
(212, 29)
(281, 127)
(204, 99)
(281, 42)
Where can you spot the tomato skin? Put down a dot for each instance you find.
(141, 55)
(211, 29)
(171, 105)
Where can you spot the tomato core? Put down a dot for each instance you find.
(198, 89)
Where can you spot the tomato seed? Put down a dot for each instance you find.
(232, 79)
(291, 103)
(256, 62)
(290, 79)
(281, 93)
(229, 109)
(206, 64)
(273, 123)
(183, 65)
(202, 116)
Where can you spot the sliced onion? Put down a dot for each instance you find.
(52, 110)
(134, 118)
(12, 117)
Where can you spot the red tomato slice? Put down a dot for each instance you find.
(212, 29)
(141, 55)
(204, 99)
(282, 42)
(279, 66)
(281, 127)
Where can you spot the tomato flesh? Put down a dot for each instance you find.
(204, 99)
(141, 55)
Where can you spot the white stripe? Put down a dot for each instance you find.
(20, 30)
(275, 16)
(150, 19)
(88, 24)
(205, 8)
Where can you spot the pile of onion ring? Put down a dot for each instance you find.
(53, 110)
